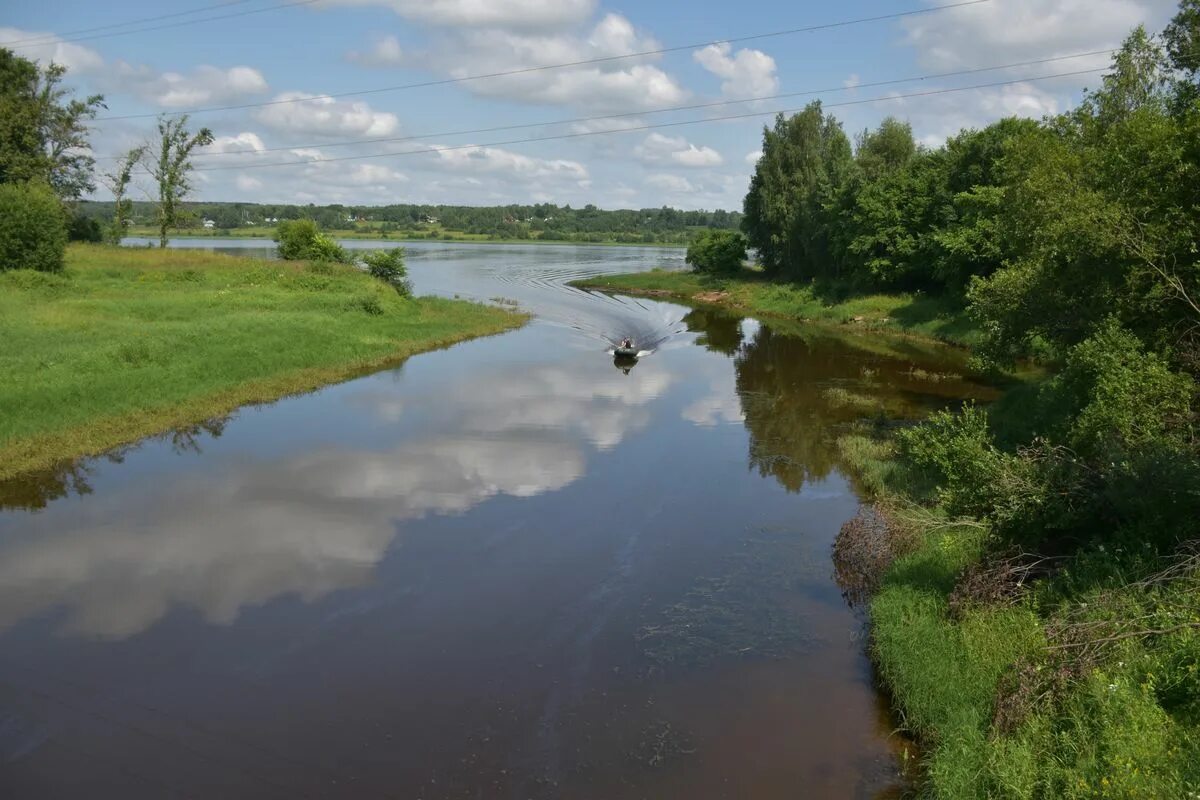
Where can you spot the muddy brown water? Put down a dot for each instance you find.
(502, 570)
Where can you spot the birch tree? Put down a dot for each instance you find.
(170, 165)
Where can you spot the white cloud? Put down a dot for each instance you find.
(1016, 30)
(853, 81)
(748, 73)
(670, 183)
(386, 52)
(245, 142)
(618, 85)
(203, 85)
(523, 14)
(475, 160)
(327, 116)
(46, 48)
(676, 151)
(246, 183)
(935, 118)
(753, 156)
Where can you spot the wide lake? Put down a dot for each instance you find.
(509, 569)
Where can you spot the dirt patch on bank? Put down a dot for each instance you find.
(711, 297)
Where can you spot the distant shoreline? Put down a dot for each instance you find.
(265, 237)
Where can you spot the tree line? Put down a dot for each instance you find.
(1045, 229)
(546, 221)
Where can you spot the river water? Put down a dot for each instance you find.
(508, 569)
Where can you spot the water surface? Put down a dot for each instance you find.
(508, 569)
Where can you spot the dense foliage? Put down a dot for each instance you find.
(301, 239)
(717, 252)
(45, 164)
(43, 130)
(1044, 635)
(33, 228)
(388, 266)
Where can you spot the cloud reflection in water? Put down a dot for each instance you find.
(312, 523)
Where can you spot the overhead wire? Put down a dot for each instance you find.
(627, 114)
(52, 38)
(652, 126)
(564, 65)
(292, 4)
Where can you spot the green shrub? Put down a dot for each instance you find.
(85, 229)
(33, 228)
(1112, 395)
(717, 252)
(955, 452)
(388, 266)
(301, 240)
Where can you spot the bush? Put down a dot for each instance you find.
(1113, 395)
(388, 266)
(717, 252)
(33, 228)
(85, 229)
(301, 240)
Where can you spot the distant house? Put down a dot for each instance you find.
(431, 220)
(208, 223)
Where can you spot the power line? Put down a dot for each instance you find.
(292, 4)
(580, 63)
(694, 107)
(582, 134)
(54, 37)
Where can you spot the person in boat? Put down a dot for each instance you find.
(627, 343)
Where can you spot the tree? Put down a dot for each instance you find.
(170, 167)
(43, 130)
(117, 182)
(886, 149)
(1182, 37)
(717, 252)
(790, 208)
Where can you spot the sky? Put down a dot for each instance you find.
(288, 55)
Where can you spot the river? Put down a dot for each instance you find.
(508, 569)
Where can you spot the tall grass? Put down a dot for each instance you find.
(129, 342)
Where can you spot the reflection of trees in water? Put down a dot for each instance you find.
(187, 438)
(719, 332)
(36, 490)
(779, 382)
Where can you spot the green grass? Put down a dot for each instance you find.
(921, 315)
(128, 343)
(1127, 727)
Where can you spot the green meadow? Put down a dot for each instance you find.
(126, 343)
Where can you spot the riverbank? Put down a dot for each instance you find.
(457, 237)
(749, 293)
(127, 343)
(1067, 674)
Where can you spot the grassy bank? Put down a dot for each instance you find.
(750, 293)
(127, 343)
(1067, 676)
